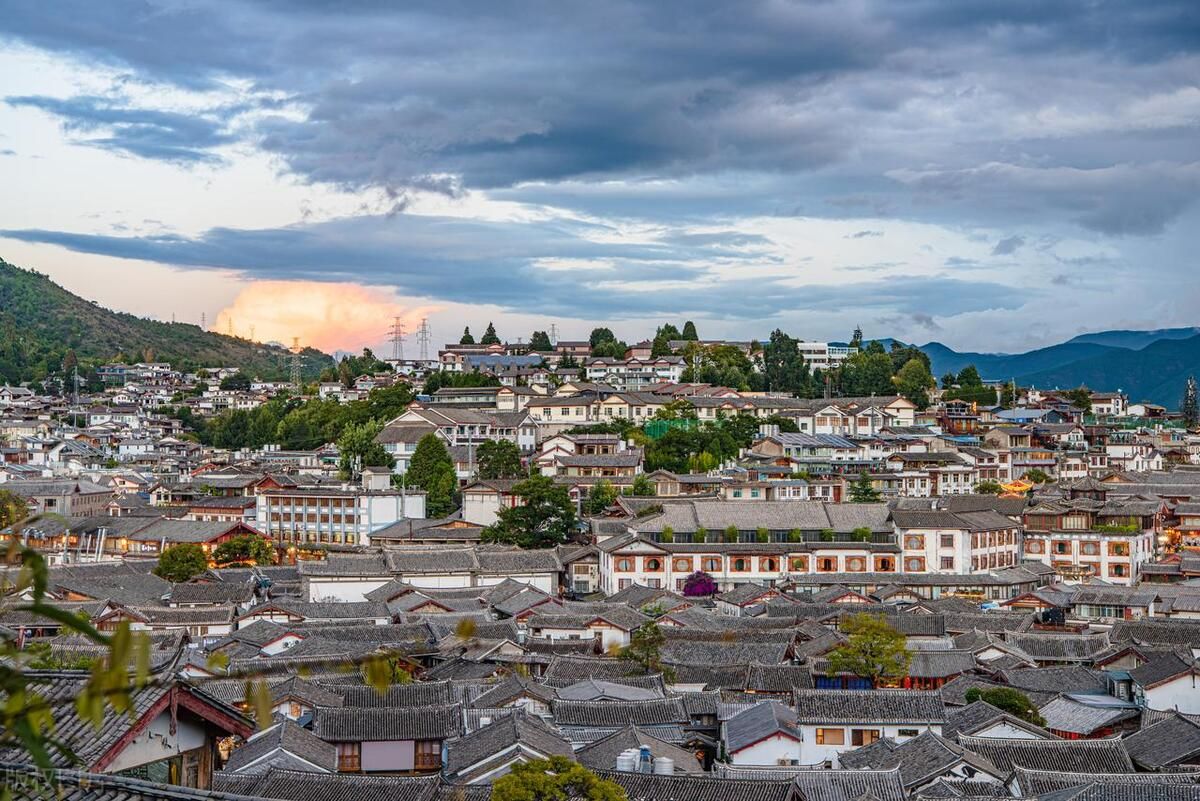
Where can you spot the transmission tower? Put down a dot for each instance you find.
(297, 362)
(424, 338)
(397, 340)
(553, 333)
(229, 327)
(203, 321)
(251, 332)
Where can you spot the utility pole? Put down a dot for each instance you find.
(424, 338)
(297, 364)
(397, 340)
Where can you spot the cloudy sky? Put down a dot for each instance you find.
(992, 175)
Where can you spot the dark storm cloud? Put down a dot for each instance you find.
(1008, 246)
(403, 95)
(509, 264)
(161, 135)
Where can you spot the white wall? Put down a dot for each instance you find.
(156, 742)
(769, 751)
(1182, 693)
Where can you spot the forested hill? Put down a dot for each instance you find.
(40, 322)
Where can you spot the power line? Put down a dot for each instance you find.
(297, 363)
(397, 340)
(424, 338)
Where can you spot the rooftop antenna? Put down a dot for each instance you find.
(424, 338)
(297, 362)
(397, 340)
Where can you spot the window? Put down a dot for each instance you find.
(768, 564)
(654, 564)
(624, 564)
(623, 583)
(800, 564)
(827, 565)
(682, 565)
(1061, 546)
(907, 732)
(947, 540)
(712, 564)
(1118, 570)
(740, 565)
(947, 563)
(349, 757)
(831, 737)
(428, 755)
(1118, 549)
(863, 736)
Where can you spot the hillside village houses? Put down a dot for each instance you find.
(1081, 592)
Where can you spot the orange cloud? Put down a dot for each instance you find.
(328, 316)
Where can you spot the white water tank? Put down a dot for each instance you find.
(627, 760)
(664, 766)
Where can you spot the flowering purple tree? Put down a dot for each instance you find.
(699, 584)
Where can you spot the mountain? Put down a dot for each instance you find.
(1135, 340)
(40, 321)
(1004, 366)
(1155, 373)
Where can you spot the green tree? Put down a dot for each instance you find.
(988, 487)
(1008, 395)
(660, 346)
(645, 648)
(603, 495)
(599, 335)
(540, 341)
(689, 332)
(245, 549)
(863, 491)
(969, 377)
(914, 381)
(1080, 398)
(238, 382)
(1189, 410)
(13, 508)
(610, 348)
(873, 649)
(498, 458)
(544, 517)
(1012, 701)
(866, 374)
(1036, 475)
(181, 562)
(555, 779)
(489, 336)
(949, 379)
(466, 338)
(641, 487)
(358, 449)
(430, 468)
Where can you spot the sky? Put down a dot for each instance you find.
(996, 176)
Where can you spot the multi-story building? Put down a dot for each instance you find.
(823, 355)
(634, 374)
(334, 516)
(941, 541)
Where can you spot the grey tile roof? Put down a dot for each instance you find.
(826, 785)
(602, 754)
(1067, 714)
(1165, 744)
(1059, 647)
(600, 690)
(617, 714)
(920, 759)
(1069, 756)
(758, 722)
(502, 734)
(566, 670)
(777, 678)
(1124, 786)
(868, 706)
(652, 787)
(71, 785)
(1161, 669)
(979, 715)
(284, 744)
(358, 724)
(940, 664)
(417, 694)
(1057, 679)
(298, 786)
(1165, 632)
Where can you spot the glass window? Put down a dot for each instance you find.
(863, 736)
(831, 737)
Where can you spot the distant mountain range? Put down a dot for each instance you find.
(40, 321)
(1146, 365)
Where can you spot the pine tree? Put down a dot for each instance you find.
(1189, 410)
(862, 491)
(540, 341)
(432, 470)
(489, 336)
(857, 339)
(467, 339)
(689, 332)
